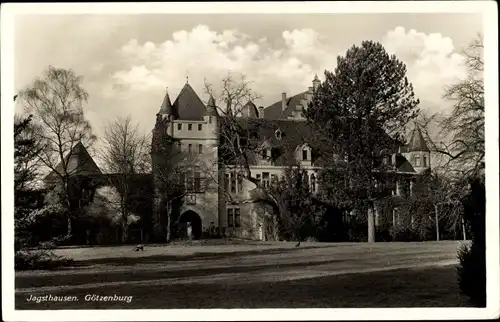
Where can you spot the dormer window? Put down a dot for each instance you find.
(417, 161)
(264, 154)
(425, 161)
(304, 155)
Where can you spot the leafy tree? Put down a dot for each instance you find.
(358, 112)
(56, 102)
(125, 154)
(26, 146)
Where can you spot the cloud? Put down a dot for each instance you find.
(202, 54)
(274, 66)
(431, 62)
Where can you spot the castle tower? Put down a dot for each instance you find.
(316, 82)
(211, 116)
(417, 151)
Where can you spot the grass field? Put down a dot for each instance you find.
(252, 275)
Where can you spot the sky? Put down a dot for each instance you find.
(127, 61)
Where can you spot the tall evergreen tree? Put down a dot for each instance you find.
(358, 112)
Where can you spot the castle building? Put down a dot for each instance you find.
(217, 194)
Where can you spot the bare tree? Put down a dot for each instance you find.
(235, 136)
(56, 102)
(460, 142)
(125, 154)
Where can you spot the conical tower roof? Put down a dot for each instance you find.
(166, 106)
(188, 106)
(79, 162)
(211, 109)
(417, 141)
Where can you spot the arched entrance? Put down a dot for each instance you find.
(190, 225)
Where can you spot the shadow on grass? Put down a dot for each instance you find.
(158, 259)
(110, 276)
(436, 287)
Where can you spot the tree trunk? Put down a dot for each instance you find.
(70, 228)
(394, 224)
(371, 225)
(437, 221)
(463, 228)
(124, 233)
(169, 223)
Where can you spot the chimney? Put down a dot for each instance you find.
(261, 112)
(283, 101)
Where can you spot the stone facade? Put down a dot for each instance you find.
(221, 198)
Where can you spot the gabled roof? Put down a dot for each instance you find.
(402, 164)
(417, 141)
(187, 105)
(275, 111)
(80, 163)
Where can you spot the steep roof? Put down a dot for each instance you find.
(293, 134)
(187, 105)
(211, 109)
(166, 106)
(80, 163)
(250, 110)
(417, 141)
(275, 111)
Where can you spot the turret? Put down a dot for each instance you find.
(166, 111)
(316, 82)
(211, 116)
(417, 151)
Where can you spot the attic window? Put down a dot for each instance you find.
(279, 134)
(304, 155)
(190, 127)
(417, 161)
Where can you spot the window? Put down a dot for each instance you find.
(197, 181)
(226, 183)
(240, 182)
(264, 154)
(265, 179)
(179, 126)
(190, 127)
(274, 179)
(258, 178)
(190, 146)
(233, 217)
(200, 148)
(425, 161)
(233, 182)
(230, 217)
(304, 155)
(417, 161)
(313, 183)
(237, 220)
(199, 127)
(190, 182)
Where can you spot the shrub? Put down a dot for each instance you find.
(47, 245)
(39, 259)
(311, 239)
(471, 273)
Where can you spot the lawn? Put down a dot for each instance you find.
(254, 275)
